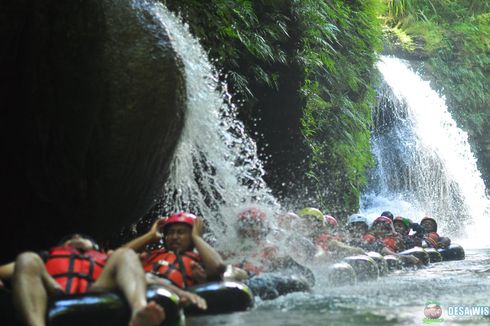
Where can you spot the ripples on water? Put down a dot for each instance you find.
(396, 299)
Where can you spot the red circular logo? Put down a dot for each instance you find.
(433, 311)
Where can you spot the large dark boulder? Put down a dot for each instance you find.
(92, 104)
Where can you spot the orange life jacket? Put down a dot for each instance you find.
(432, 239)
(75, 270)
(175, 267)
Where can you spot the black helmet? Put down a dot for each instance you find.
(70, 236)
(388, 214)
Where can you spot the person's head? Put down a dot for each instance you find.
(429, 224)
(252, 223)
(79, 241)
(387, 214)
(357, 225)
(313, 222)
(177, 231)
(331, 224)
(401, 225)
(382, 227)
(288, 220)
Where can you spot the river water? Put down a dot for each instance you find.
(396, 299)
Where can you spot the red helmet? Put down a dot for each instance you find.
(182, 217)
(331, 221)
(406, 221)
(252, 214)
(253, 219)
(383, 220)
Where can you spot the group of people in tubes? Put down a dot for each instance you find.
(77, 264)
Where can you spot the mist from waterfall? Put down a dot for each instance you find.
(215, 171)
(424, 163)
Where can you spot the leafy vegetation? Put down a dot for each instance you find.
(339, 48)
(322, 50)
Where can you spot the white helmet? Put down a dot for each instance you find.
(354, 218)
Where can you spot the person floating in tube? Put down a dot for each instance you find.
(254, 255)
(323, 231)
(432, 238)
(185, 259)
(383, 234)
(403, 226)
(357, 228)
(77, 265)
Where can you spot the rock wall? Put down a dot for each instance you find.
(92, 107)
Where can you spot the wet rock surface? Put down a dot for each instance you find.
(92, 107)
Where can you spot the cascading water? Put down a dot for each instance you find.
(215, 170)
(424, 161)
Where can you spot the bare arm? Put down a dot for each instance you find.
(211, 259)
(343, 249)
(185, 296)
(147, 238)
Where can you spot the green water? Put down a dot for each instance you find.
(396, 299)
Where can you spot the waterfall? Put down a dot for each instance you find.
(424, 163)
(215, 171)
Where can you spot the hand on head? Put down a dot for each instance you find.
(197, 227)
(156, 227)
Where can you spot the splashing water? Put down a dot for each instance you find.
(424, 161)
(215, 170)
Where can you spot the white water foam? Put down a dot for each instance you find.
(425, 165)
(215, 170)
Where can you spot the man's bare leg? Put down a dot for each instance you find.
(31, 286)
(123, 271)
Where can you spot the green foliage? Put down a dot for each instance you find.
(245, 36)
(399, 8)
(432, 35)
(338, 46)
(329, 48)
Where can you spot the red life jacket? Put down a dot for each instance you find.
(391, 242)
(174, 267)
(323, 240)
(75, 270)
(259, 259)
(369, 238)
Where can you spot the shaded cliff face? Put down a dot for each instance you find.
(92, 107)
